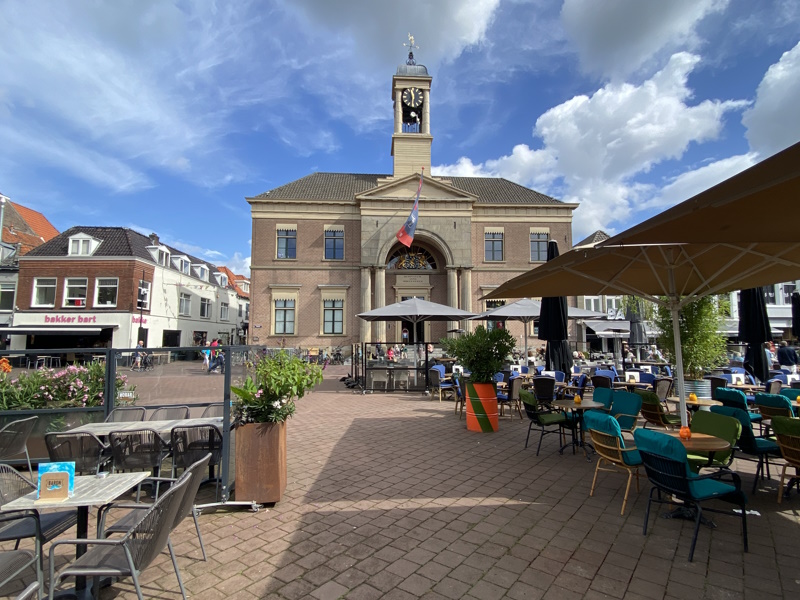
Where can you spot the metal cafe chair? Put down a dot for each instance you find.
(127, 414)
(48, 525)
(168, 413)
(14, 562)
(83, 448)
(14, 439)
(191, 443)
(131, 554)
(194, 472)
(217, 409)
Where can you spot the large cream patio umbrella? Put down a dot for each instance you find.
(671, 275)
(739, 234)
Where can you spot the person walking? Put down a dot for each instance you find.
(787, 357)
(137, 356)
(214, 354)
(206, 356)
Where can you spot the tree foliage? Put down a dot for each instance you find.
(481, 352)
(702, 344)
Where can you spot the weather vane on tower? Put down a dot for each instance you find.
(411, 47)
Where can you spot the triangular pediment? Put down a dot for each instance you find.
(405, 188)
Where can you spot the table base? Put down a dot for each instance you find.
(688, 514)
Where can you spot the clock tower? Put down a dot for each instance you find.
(411, 141)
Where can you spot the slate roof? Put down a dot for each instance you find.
(595, 238)
(345, 186)
(115, 241)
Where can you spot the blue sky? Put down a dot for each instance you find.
(164, 115)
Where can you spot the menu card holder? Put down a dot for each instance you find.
(56, 481)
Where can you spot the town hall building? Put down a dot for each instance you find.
(324, 246)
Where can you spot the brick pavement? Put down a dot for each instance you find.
(390, 497)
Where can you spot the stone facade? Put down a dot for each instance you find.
(455, 216)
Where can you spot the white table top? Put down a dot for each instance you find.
(161, 427)
(90, 490)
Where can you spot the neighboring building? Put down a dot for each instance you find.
(324, 246)
(23, 229)
(111, 286)
(241, 285)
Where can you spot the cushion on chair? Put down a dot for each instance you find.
(786, 426)
(775, 401)
(732, 397)
(604, 395)
(604, 423)
(708, 488)
(790, 393)
(626, 403)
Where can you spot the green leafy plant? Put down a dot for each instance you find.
(703, 346)
(481, 352)
(268, 395)
(70, 387)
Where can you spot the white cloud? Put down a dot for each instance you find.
(773, 123)
(616, 37)
(595, 147)
(239, 264)
(691, 183)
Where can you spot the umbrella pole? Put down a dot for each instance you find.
(676, 334)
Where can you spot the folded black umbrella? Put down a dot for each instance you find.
(754, 329)
(553, 327)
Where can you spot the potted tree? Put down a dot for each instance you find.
(265, 401)
(703, 346)
(483, 354)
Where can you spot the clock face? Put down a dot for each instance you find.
(412, 97)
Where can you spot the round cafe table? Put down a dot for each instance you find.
(697, 404)
(701, 442)
(571, 405)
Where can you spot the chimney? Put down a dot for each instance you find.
(154, 239)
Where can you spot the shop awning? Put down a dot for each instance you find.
(610, 329)
(54, 329)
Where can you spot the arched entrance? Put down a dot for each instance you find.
(417, 272)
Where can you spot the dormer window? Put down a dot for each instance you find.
(182, 264)
(82, 245)
(201, 271)
(163, 257)
(222, 280)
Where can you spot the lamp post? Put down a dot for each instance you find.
(141, 308)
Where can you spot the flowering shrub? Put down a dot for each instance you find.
(73, 386)
(268, 395)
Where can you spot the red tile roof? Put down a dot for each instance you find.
(233, 278)
(36, 221)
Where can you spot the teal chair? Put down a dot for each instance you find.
(773, 405)
(790, 393)
(610, 446)
(721, 426)
(604, 396)
(625, 408)
(749, 444)
(667, 467)
(736, 399)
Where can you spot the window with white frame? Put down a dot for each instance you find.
(539, 238)
(241, 310)
(205, 308)
(143, 298)
(284, 311)
(223, 311)
(593, 303)
(75, 291)
(7, 291)
(80, 247)
(247, 312)
(287, 242)
(493, 244)
(105, 291)
(334, 242)
(182, 264)
(44, 291)
(333, 317)
(201, 271)
(163, 257)
(185, 305)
